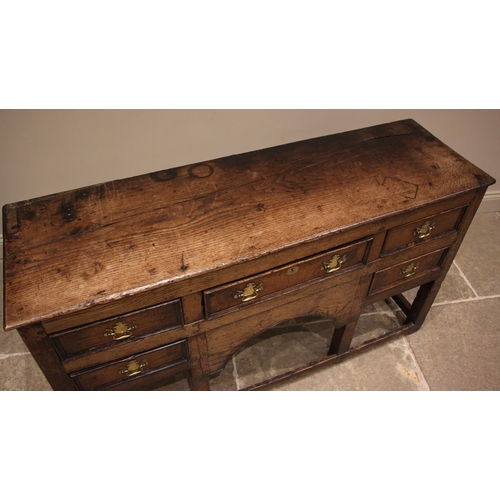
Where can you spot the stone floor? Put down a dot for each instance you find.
(457, 348)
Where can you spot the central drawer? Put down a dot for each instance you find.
(252, 289)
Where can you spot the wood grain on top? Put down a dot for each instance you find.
(68, 251)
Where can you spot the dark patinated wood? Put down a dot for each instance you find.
(342, 337)
(121, 329)
(199, 374)
(334, 302)
(402, 302)
(427, 293)
(177, 224)
(406, 271)
(407, 235)
(151, 380)
(296, 273)
(192, 306)
(208, 255)
(122, 370)
(45, 355)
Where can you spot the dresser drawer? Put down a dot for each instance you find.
(243, 292)
(407, 271)
(133, 367)
(422, 230)
(118, 330)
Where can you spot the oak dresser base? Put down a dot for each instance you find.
(124, 285)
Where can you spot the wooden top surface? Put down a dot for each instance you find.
(69, 251)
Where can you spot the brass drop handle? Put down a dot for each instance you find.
(425, 230)
(250, 292)
(335, 263)
(120, 331)
(409, 270)
(133, 368)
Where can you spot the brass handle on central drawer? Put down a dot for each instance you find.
(409, 270)
(120, 331)
(425, 230)
(133, 368)
(250, 292)
(335, 263)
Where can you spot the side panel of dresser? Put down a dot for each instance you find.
(43, 351)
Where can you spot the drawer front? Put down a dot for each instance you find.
(132, 367)
(250, 290)
(422, 230)
(151, 380)
(407, 271)
(120, 329)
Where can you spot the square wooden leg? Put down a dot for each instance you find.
(198, 378)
